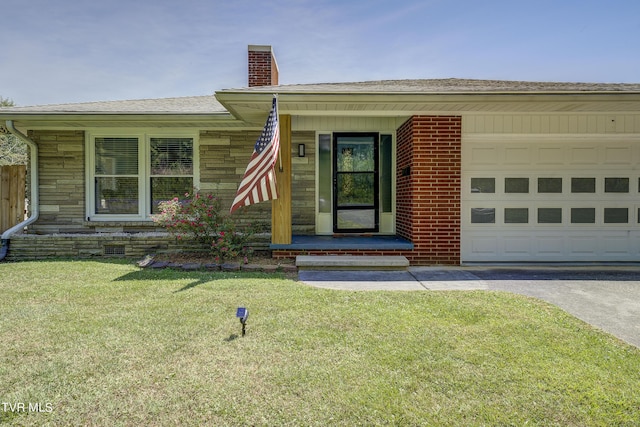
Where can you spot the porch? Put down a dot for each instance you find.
(344, 242)
(360, 246)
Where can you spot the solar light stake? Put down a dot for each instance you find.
(243, 314)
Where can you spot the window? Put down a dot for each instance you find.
(549, 215)
(483, 185)
(616, 185)
(133, 173)
(583, 185)
(616, 215)
(516, 215)
(483, 216)
(549, 185)
(116, 176)
(516, 185)
(171, 168)
(583, 215)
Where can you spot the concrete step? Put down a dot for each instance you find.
(351, 262)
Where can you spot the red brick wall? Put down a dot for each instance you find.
(428, 188)
(263, 69)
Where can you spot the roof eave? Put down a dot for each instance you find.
(253, 106)
(40, 120)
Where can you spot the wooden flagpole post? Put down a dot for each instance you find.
(281, 207)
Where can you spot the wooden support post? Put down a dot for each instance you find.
(281, 207)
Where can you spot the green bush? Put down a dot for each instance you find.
(200, 217)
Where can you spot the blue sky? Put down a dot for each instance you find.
(60, 51)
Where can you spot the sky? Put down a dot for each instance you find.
(68, 51)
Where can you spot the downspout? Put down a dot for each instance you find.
(34, 199)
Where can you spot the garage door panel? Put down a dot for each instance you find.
(517, 245)
(484, 246)
(615, 245)
(618, 155)
(583, 155)
(549, 246)
(570, 246)
(582, 246)
(517, 156)
(550, 155)
(484, 155)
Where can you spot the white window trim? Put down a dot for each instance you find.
(144, 160)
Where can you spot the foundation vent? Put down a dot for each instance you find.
(114, 250)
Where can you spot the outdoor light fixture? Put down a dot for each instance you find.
(301, 150)
(243, 314)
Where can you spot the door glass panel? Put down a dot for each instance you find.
(355, 189)
(355, 219)
(324, 173)
(386, 172)
(355, 154)
(356, 186)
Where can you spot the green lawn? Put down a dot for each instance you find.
(106, 343)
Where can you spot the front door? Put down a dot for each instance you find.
(355, 183)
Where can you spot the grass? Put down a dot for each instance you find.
(105, 343)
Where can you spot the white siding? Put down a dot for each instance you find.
(551, 124)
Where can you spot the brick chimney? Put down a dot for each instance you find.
(263, 69)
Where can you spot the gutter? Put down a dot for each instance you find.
(35, 196)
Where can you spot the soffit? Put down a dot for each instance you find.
(432, 96)
(253, 107)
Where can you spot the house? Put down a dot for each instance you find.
(445, 171)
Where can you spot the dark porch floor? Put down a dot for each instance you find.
(345, 242)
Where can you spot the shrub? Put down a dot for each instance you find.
(200, 217)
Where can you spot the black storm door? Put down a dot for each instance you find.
(355, 183)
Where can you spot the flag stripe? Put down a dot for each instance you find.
(259, 182)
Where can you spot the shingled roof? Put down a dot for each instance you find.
(183, 105)
(447, 86)
(209, 105)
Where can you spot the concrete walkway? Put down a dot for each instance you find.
(605, 297)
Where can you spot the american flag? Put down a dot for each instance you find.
(259, 180)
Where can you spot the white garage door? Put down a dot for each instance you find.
(550, 199)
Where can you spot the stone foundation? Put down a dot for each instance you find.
(124, 245)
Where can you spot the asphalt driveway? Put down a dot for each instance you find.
(605, 297)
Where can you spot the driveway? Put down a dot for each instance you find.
(605, 297)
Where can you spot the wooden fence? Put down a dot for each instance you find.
(12, 195)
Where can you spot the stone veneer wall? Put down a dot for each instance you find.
(129, 245)
(62, 186)
(303, 184)
(224, 156)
